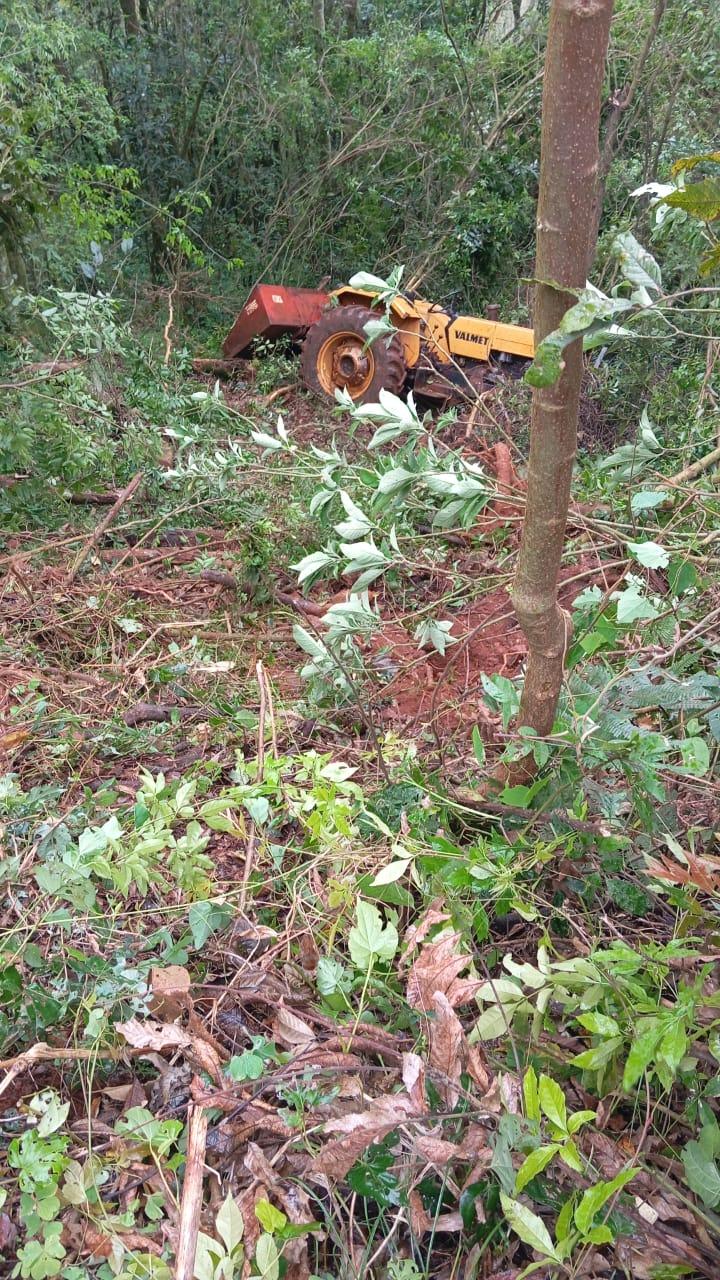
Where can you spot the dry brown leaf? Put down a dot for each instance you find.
(12, 739)
(8, 1234)
(132, 1095)
(703, 873)
(291, 1030)
(449, 1222)
(86, 1240)
(447, 1044)
(437, 1151)
(360, 1130)
(436, 969)
(156, 1036)
(420, 1220)
(418, 932)
(477, 1067)
(413, 1077)
(170, 991)
(309, 954)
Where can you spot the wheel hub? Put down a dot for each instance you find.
(344, 362)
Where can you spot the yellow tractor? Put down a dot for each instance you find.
(439, 354)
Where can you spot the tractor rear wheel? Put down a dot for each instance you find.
(335, 354)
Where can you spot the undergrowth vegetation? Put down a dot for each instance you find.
(288, 967)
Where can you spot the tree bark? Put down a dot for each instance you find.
(319, 18)
(131, 17)
(566, 235)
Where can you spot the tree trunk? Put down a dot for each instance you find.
(319, 18)
(131, 17)
(566, 234)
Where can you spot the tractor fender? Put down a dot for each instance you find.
(403, 314)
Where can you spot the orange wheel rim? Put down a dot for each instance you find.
(344, 361)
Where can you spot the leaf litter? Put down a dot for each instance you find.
(336, 1065)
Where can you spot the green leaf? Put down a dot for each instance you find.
(597, 1196)
(642, 1052)
(590, 313)
(530, 1094)
(650, 554)
(569, 1155)
(392, 872)
(368, 940)
(245, 1066)
(494, 1022)
(564, 1221)
(638, 266)
(599, 1023)
(673, 1045)
(600, 1235)
(206, 918)
(632, 605)
(700, 199)
(578, 1119)
(272, 1219)
(695, 756)
(526, 1224)
(258, 807)
(598, 1056)
(267, 1258)
(534, 1164)
(552, 1102)
(478, 746)
(701, 1174)
(630, 897)
(54, 1113)
(647, 500)
(229, 1223)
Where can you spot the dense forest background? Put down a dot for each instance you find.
(208, 145)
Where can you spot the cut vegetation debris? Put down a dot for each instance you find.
(321, 956)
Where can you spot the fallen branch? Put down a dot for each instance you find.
(145, 712)
(224, 368)
(191, 1203)
(220, 578)
(696, 468)
(42, 369)
(167, 331)
(89, 498)
(295, 601)
(279, 391)
(43, 1052)
(104, 524)
(476, 802)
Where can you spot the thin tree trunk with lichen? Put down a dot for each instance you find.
(319, 18)
(566, 234)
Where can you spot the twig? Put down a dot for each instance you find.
(467, 800)
(278, 392)
(696, 468)
(260, 672)
(191, 1203)
(104, 524)
(43, 1052)
(252, 838)
(168, 327)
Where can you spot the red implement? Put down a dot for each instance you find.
(271, 310)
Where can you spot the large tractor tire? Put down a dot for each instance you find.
(335, 354)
